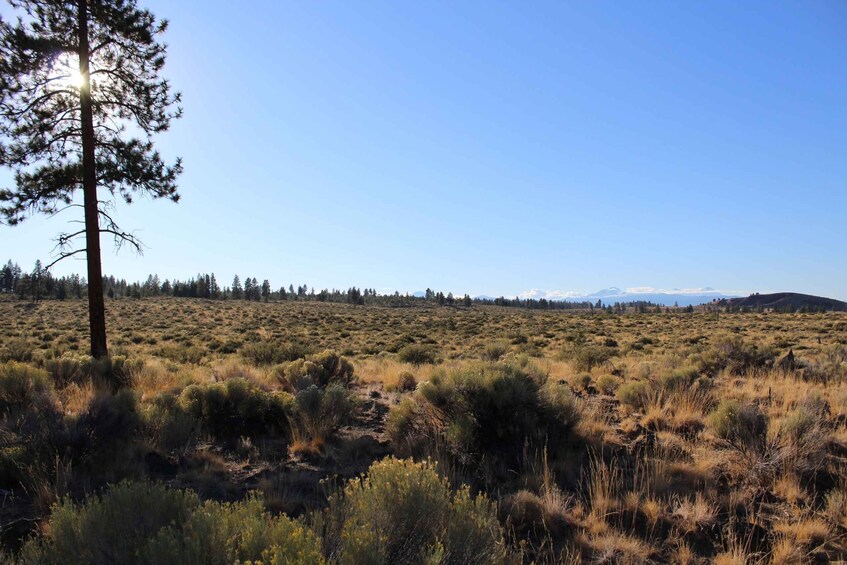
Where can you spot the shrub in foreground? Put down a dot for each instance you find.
(40, 447)
(168, 425)
(29, 422)
(495, 350)
(22, 388)
(400, 512)
(416, 354)
(322, 401)
(584, 357)
(319, 413)
(634, 394)
(320, 370)
(734, 355)
(485, 413)
(608, 384)
(149, 523)
(112, 372)
(107, 427)
(17, 350)
(678, 380)
(236, 408)
(404, 512)
(273, 352)
(742, 424)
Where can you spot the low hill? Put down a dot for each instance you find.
(787, 301)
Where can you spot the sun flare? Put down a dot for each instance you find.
(67, 73)
(75, 79)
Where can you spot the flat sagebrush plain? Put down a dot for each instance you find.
(580, 436)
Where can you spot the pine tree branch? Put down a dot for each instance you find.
(65, 256)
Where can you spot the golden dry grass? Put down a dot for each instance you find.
(645, 481)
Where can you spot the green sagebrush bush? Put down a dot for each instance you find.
(416, 354)
(679, 379)
(66, 369)
(320, 412)
(830, 366)
(608, 384)
(149, 523)
(404, 512)
(742, 424)
(273, 352)
(112, 372)
(489, 413)
(634, 394)
(37, 441)
(584, 357)
(17, 350)
(495, 350)
(323, 402)
(168, 425)
(804, 436)
(29, 422)
(109, 421)
(318, 370)
(22, 388)
(236, 407)
(181, 353)
(734, 355)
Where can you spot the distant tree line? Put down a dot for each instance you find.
(40, 284)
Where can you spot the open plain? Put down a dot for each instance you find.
(634, 437)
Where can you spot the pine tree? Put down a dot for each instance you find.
(75, 77)
(236, 288)
(214, 288)
(248, 288)
(35, 277)
(11, 275)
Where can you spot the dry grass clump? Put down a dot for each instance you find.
(806, 533)
(387, 370)
(616, 547)
(692, 515)
(733, 556)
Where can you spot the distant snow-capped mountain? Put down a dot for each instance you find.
(678, 296)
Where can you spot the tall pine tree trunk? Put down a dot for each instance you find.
(96, 305)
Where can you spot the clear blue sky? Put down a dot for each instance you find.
(495, 147)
